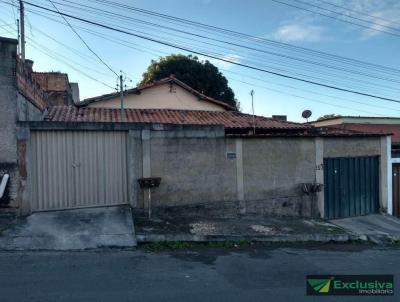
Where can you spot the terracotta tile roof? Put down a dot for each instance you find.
(170, 79)
(373, 128)
(229, 119)
(234, 122)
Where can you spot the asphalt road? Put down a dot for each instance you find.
(250, 274)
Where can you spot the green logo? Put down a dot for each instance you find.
(351, 285)
(320, 285)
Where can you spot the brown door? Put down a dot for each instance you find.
(396, 189)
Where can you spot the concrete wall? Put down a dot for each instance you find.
(201, 173)
(274, 170)
(204, 172)
(201, 169)
(161, 97)
(14, 107)
(8, 114)
(194, 169)
(264, 176)
(352, 146)
(27, 111)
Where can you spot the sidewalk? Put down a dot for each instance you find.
(378, 228)
(77, 229)
(238, 229)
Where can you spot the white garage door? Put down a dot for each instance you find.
(72, 169)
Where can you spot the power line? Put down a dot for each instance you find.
(335, 18)
(308, 91)
(358, 12)
(308, 76)
(83, 41)
(344, 69)
(47, 50)
(249, 38)
(332, 82)
(305, 98)
(217, 58)
(347, 16)
(322, 102)
(252, 39)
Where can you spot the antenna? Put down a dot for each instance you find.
(306, 114)
(252, 108)
(121, 95)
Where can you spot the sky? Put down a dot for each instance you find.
(53, 46)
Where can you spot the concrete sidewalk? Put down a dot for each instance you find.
(238, 229)
(77, 229)
(377, 228)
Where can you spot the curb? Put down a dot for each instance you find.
(146, 238)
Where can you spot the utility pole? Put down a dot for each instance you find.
(22, 19)
(19, 39)
(121, 95)
(252, 108)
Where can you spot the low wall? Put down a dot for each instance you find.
(352, 146)
(204, 173)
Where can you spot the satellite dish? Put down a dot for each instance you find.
(306, 114)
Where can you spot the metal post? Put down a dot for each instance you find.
(252, 108)
(19, 39)
(121, 93)
(149, 203)
(22, 19)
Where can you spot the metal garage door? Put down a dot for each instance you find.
(73, 169)
(351, 186)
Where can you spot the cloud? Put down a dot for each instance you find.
(298, 31)
(383, 15)
(378, 15)
(226, 65)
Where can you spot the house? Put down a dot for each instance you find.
(56, 86)
(368, 124)
(168, 93)
(208, 157)
(375, 125)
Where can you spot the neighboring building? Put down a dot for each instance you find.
(21, 99)
(368, 124)
(24, 96)
(168, 93)
(377, 125)
(58, 90)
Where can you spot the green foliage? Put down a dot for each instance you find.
(200, 75)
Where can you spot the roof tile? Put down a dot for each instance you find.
(229, 119)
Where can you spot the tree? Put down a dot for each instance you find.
(200, 75)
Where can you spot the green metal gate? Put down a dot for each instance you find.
(351, 186)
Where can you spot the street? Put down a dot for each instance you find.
(255, 273)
